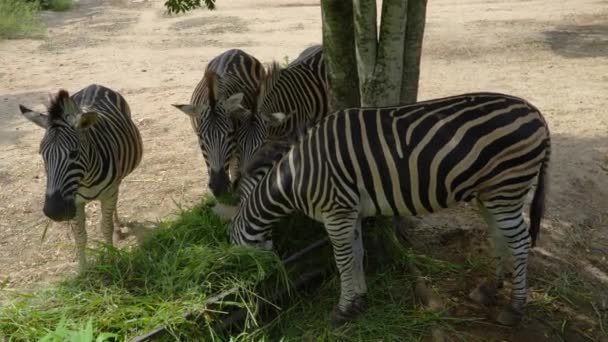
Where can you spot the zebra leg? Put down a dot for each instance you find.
(486, 294)
(344, 230)
(512, 230)
(108, 209)
(80, 236)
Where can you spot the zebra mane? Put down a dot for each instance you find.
(56, 108)
(272, 151)
(211, 80)
(268, 81)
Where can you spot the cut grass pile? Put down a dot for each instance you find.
(20, 19)
(175, 269)
(129, 292)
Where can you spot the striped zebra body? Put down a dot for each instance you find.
(405, 161)
(90, 145)
(227, 89)
(288, 99)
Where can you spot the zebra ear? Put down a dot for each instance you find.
(225, 212)
(233, 103)
(86, 120)
(275, 119)
(235, 109)
(39, 119)
(191, 110)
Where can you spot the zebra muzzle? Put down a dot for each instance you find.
(219, 183)
(57, 208)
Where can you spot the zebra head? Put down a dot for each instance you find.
(241, 232)
(214, 123)
(63, 153)
(264, 124)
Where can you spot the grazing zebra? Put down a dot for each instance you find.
(90, 145)
(288, 98)
(409, 160)
(227, 90)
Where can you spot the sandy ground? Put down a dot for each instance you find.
(552, 53)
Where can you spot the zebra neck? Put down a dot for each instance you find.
(270, 200)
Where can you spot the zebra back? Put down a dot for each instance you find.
(114, 135)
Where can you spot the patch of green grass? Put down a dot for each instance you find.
(84, 334)
(392, 314)
(178, 267)
(20, 19)
(128, 292)
(59, 5)
(568, 287)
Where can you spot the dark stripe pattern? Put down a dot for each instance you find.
(237, 72)
(298, 91)
(98, 158)
(408, 160)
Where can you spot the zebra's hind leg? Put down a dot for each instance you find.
(344, 230)
(80, 236)
(486, 294)
(512, 231)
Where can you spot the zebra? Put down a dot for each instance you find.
(91, 144)
(219, 103)
(287, 99)
(409, 160)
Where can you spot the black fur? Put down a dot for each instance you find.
(55, 108)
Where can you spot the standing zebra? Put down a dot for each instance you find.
(90, 145)
(409, 160)
(228, 88)
(288, 99)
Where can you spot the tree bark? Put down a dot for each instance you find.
(416, 17)
(339, 53)
(380, 59)
(385, 89)
(366, 43)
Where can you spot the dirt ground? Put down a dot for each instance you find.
(554, 54)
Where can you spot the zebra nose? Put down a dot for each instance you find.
(219, 182)
(57, 208)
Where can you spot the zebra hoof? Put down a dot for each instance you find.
(119, 235)
(484, 295)
(509, 316)
(355, 308)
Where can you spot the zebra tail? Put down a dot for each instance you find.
(537, 207)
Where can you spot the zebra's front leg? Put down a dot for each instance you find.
(346, 237)
(108, 210)
(80, 236)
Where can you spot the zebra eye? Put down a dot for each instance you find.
(73, 154)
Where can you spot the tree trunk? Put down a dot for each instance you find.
(366, 41)
(339, 53)
(380, 59)
(416, 17)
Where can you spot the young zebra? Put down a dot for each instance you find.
(288, 98)
(90, 145)
(228, 89)
(409, 160)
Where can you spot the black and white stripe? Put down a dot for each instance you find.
(288, 98)
(404, 161)
(220, 100)
(90, 145)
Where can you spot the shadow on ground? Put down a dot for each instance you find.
(579, 41)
